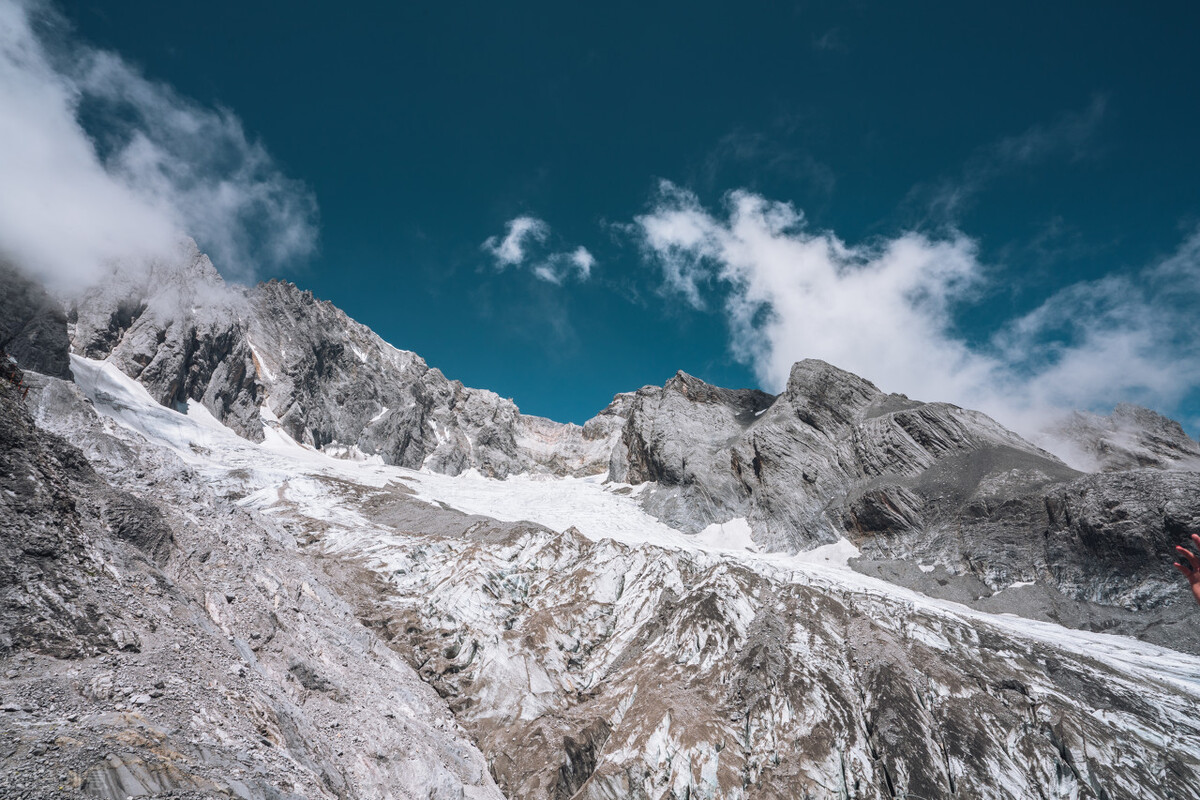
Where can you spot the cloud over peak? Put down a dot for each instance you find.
(148, 168)
(525, 243)
(887, 310)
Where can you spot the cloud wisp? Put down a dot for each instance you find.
(888, 310)
(148, 168)
(1072, 135)
(525, 244)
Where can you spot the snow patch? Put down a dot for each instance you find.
(259, 361)
(731, 535)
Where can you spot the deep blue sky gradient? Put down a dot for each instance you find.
(421, 130)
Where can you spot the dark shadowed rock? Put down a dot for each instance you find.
(33, 327)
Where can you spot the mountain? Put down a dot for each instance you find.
(252, 550)
(273, 355)
(1131, 437)
(935, 497)
(158, 640)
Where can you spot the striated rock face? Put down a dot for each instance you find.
(47, 602)
(1131, 437)
(831, 455)
(180, 331)
(936, 497)
(275, 356)
(186, 613)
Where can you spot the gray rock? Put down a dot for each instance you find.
(273, 355)
(927, 484)
(910, 483)
(33, 327)
(79, 578)
(1131, 437)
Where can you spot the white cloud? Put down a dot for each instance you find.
(525, 241)
(887, 310)
(510, 251)
(583, 261)
(1072, 135)
(151, 167)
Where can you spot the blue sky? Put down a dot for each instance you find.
(991, 205)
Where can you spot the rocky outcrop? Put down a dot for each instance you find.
(830, 455)
(1131, 437)
(593, 669)
(936, 497)
(273, 355)
(33, 326)
(264, 618)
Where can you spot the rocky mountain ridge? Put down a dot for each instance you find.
(160, 641)
(273, 355)
(935, 497)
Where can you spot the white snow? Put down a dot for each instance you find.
(280, 469)
(258, 359)
(731, 535)
(203, 416)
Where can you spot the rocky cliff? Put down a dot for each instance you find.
(156, 640)
(274, 355)
(936, 497)
(1131, 437)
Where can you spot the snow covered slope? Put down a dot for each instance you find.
(938, 498)
(593, 651)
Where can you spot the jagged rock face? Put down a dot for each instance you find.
(677, 438)
(1109, 533)
(580, 666)
(829, 455)
(936, 497)
(595, 670)
(48, 605)
(274, 355)
(1131, 437)
(32, 325)
(180, 331)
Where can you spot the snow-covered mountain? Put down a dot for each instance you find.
(253, 549)
(936, 497)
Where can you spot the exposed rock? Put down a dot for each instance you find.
(50, 579)
(595, 670)
(830, 454)
(913, 483)
(274, 355)
(1131, 437)
(176, 590)
(33, 327)
(125, 678)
